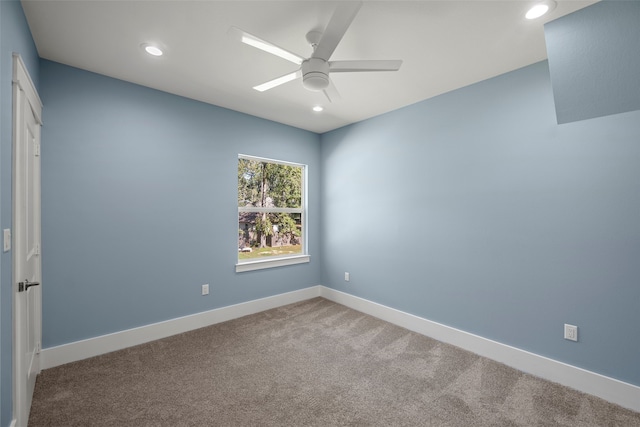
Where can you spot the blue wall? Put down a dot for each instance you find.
(476, 210)
(14, 37)
(594, 60)
(139, 196)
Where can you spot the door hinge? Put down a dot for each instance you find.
(37, 250)
(37, 149)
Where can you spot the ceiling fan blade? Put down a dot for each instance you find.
(279, 81)
(264, 45)
(331, 92)
(337, 26)
(364, 65)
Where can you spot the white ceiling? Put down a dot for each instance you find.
(445, 45)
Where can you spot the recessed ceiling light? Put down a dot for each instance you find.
(540, 9)
(318, 108)
(152, 50)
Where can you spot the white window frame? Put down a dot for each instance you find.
(284, 260)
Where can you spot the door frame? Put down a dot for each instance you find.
(23, 92)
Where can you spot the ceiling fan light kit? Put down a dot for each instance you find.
(315, 74)
(315, 71)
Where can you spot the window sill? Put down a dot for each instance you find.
(270, 263)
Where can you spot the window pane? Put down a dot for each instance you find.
(265, 184)
(263, 235)
(248, 182)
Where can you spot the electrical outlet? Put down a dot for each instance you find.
(7, 240)
(346, 276)
(570, 332)
(205, 289)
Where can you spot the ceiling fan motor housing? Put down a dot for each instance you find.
(315, 74)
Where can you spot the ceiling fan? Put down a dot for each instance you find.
(315, 70)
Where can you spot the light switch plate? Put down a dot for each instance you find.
(6, 246)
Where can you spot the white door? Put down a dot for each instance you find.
(26, 241)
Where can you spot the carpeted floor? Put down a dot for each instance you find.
(313, 363)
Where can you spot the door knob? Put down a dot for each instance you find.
(23, 286)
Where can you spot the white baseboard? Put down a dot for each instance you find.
(72, 352)
(610, 389)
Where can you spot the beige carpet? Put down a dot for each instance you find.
(314, 363)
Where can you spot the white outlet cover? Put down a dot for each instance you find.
(570, 332)
(6, 240)
(205, 289)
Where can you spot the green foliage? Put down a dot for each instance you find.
(248, 182)
(286, 224)
(264, 225)
(285, 185)
(263, 184)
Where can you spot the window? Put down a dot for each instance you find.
(271, 213)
